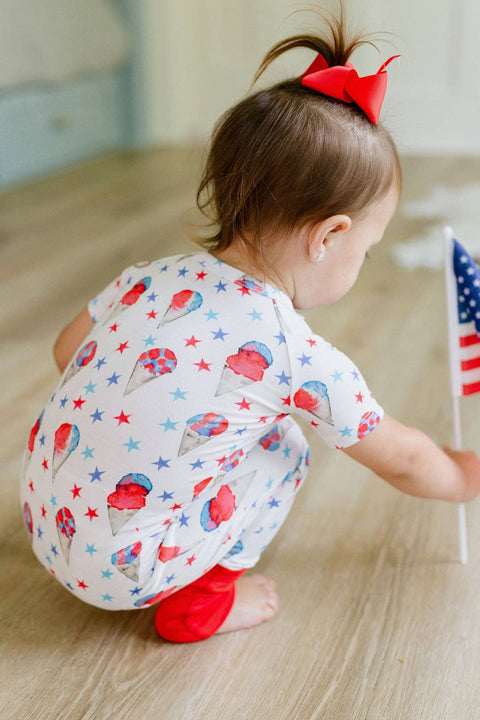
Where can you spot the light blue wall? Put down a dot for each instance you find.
(134, 74)
(46, 128)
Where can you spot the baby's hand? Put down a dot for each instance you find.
(469, 463)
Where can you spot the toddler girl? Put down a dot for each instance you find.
(167, 458)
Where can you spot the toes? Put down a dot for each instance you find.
(261, 580)
(271, 601)
(269, 598)
(270, 609)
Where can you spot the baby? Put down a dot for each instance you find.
(167, 458)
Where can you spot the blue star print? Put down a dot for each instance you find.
(96, 475)
(232, 418)
(161, 463)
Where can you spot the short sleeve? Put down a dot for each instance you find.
(329, 391)
(100, 306)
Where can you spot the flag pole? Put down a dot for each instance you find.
(455, 382)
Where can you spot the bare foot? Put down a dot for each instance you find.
(255, 602)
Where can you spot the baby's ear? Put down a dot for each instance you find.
(322, 233)
(316, 236)
(339, 224)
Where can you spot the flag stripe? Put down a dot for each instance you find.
(470, 376)
(469, 340)
(471, 389)
(470, 364)
(466, 328)
(467, 312)
(467, 353)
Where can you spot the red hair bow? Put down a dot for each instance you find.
(343, 83)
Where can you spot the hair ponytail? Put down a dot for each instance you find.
(336, 51)
(288, 155)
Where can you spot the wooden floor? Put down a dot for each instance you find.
(378, 619)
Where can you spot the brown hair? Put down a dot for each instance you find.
(288, 155)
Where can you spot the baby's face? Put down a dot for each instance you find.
(342, 250)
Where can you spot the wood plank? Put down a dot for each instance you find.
(377, 615)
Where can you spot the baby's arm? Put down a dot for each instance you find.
(410, 461)
(71, 337)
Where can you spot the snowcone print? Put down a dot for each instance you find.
(237, 548)
(248, 285)
(66, 440)
(201, 428)
(31, 439)
(130, 298)
(292, 476)
(368, 422)
(166, 553)
(271, 441)
(127, 560)
(244, 368)
(128, 498)
(218, 509)
(150, 365)
(182, 303)
(27, 516)
(200, 486)
(241, 483)
(232, 461)
(84, 356)
(313, 397)
(170, 552)
(152, 599)
(66, 529)
(34, 433)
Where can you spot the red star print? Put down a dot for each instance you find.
(45, 463)
(263, 419)
(244, 405)
(286, 401)
(175, 507)
(44, 512)
(122, 418)
(201, 275)
(167, 522)
(81, 584)
(244, 290)
(312, 342)
(117, 284)
(338, 447)
(114, 327)
(30, 485)
(221, 460)
(227, 539)
(280, 417)
(202, 365)
(91, 513)
(191, 341)
(77, 404)
(359, 397)
(75, 491)
(122, 347)
(190, 559)
(152, 315)
(312, 422)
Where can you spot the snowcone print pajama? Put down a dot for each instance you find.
(168, 446)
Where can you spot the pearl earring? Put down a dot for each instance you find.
(319, 257)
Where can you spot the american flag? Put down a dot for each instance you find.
(467, 275)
